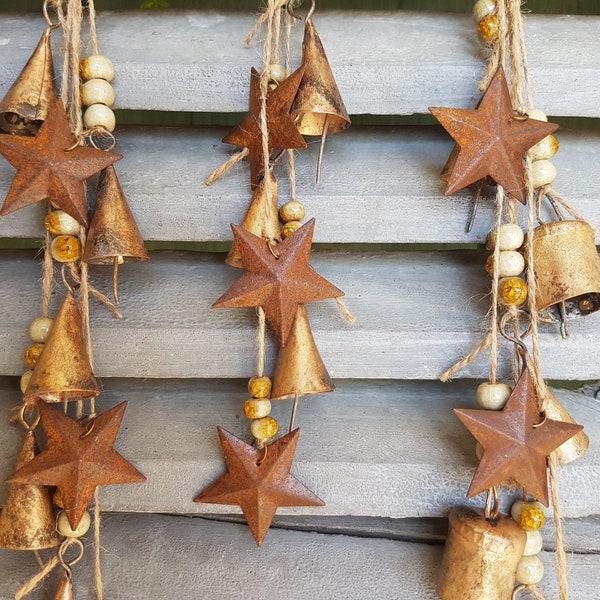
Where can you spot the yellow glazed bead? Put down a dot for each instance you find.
(488, 28)
(64, 527)
(259, 387)
(24, 382)
(277, 72)
(39, 329)
(543, 172)
(544, 149)
(530, 570)
(32, 353)
(510, 263)
(511, 237)
(512, 291)
(483, 8)
(65, 248)
(530, 515)
(263, 429)
(96, 91)
(98, 115)
(58, 222)
(291, 211)
(257, 408)
(492, 396)
(533, 543)
(96, 67)
(290, 227)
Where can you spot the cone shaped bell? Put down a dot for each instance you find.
(26, 103)
(63, 371)
(113, 233)
(567, 269)
(318, 96)
(574, 447)
(261, 218)
(300, 369)
(27, 521)
(64, 591)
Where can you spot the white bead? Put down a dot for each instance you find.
(24, 382)
(96, 67)
(98, 115)
(97, 91)
(39, 329)
(511, 237)
(537, 114)
(58, 222)
(492, 396)
(510, 263)
(483, 8)
(543, 172)
(530, 570)
(544, 149)
(64, 527)
(277, 72)
(534, 542)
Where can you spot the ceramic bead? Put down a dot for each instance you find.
(96, 67)
(24, 382)
(492, 396)
(488, 28)
(543, 172)
(512, 291)
(544, 149)
(530, 515)
(291, 211)
(511, 237)
(32, 353)
(98, 115)
(257, 408)
(39, 329)
(97, 91)
(259, 387)
(64, 527)
(58, 222)
(263, 429)
(277, 72)
(290, 227)
(534, 543)
(65, 248)
(510, 263)
(530, 570)
(483, 8)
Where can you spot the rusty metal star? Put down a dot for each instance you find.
(258, 481)
(282, 131)
(492, 139)
(78, 458)
(278, 278)
(516, 441)
(50, 166)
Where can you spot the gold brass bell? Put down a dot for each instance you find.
(567, 270)
(481, 557)
(300, 369)
(261, 218)
(63, 371)
(27, 520)
(25, 105)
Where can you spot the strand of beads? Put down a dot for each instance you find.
(38, 332)
(258, 408)
(291, 213)
(530, 516)
(485, 12)
(543, 172)
(97, 94)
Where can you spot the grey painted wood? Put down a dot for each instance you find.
(405, 328)
(157, 556)
(380, 448)
(196, 61)
(378, 185)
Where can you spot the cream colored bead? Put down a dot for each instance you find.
(24, 382)
(492, 396)
(510, 263)
(478, 450)
(263, 429)
(64, 527)
(39, 329)
(544, 149)
(58, 222)
(277, 72)
(511, 237)
(543, 172)
(98, 115)
(483, 8)
(290, 227)
(257, 408)
(291, 211)
(530, 570)
(533, 543)
(96, 67)
(537, 114)
(96, 91)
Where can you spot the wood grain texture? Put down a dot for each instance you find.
(379, 185)
(196, 60)
(379, 448)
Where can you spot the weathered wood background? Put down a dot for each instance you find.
(384, 451)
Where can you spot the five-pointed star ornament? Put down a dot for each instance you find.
(493, 140)
(278, 278)
(50, 166)
(282, 131)
(258, 481)
(516, 441)
(78, 458)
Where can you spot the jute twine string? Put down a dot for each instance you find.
(497, 57)
(494, 329)
(260, 335)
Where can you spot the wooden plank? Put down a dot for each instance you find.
(217, 560)
(406, 326)
(378, 185)
(385, 448)
(196, 60)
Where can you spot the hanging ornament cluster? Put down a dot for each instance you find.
(54, 152)
(550, 272)
(277, 277)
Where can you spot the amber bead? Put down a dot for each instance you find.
(65, 248)
(512, 291)
(291, 211)
(488, 28)
(259, 387)
(263, 429)
(290, 227)
(58, 222)
(530, 515)
(32, 353)
(257, 408)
